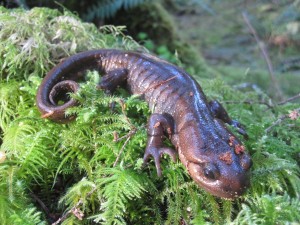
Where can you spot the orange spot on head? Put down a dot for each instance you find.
(239, 149)
(231, 140)
(226, 157)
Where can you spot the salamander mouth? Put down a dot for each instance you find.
(229, 188)
(223, 192)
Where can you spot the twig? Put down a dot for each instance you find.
(250, 85)
(289, 99)
(42, 205)
(265, 54)
(250, 103)
(122, 149)
(123, 107)
(130, 133)
(74, 208)
(293, 115)
(128, 136)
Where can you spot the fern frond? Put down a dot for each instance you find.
(28, 216)
(107, 8)
(77, 192)
(118, 186)
(35, 158)
(269, 209)
(275, 174)
(15, 209)
(15, 136)
(173, 194)
(27, 147)
(12, 102)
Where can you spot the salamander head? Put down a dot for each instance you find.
(222, 171)
(226, 181)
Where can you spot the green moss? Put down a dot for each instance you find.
(61, 165)
(236, 75)
(31, 43)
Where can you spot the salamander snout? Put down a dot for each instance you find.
(221, 179)
(246, 162)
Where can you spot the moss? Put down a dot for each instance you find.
(261, 78)
(45, 37)
(47, 169)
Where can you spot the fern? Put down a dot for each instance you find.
(107, 8)
(269, 209)
(15, 209)
(101, 150)
(12, 100)
(17, 131)
(117, 186)
(77, 192)
(26, 147)
(33, 146)
(29, 216)
(275, 175)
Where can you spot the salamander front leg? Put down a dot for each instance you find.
(219, 112)
(159, 125)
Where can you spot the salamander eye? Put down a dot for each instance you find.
(211, 172)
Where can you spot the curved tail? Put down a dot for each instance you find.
(52, 97)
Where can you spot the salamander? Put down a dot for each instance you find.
(214, 157)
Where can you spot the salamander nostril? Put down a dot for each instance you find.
(246, 162)
(211, 172)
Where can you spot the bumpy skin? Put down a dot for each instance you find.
(213, 156)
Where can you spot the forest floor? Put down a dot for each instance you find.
(219, 31)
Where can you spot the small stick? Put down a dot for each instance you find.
(122, 149)
(265, 55)
(123, 107)
(289, 99)
(41, 203)
(293, 115)
(250, 103)
(74, 208)
(128, 136)
(130, 133)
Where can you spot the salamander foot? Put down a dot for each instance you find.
(159, 126)
(157, 153)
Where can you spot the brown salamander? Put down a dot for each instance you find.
(213, 156)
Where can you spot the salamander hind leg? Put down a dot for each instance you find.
(219, 112)
(159, 126)
(112, 79)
